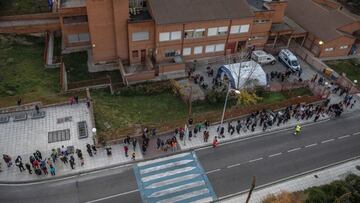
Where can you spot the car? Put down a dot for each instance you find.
(289, 59)
(263, 58)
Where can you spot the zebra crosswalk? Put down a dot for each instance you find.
(178, 178)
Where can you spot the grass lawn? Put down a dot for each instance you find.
(126, 114)
(22, 72)
(350, 66)
(16, 7)
(77, 69)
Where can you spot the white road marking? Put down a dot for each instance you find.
(165, 166)
(171, 181)
(186, 196)
(255, 160)
(231, 166)
(310, 145)
(295, 149)
(357, 133)
(162, 159)
(168, 173)
(177, 189)
(112, 196)
(277, 154)
(325, 141)
(213, 171)
(345, 136)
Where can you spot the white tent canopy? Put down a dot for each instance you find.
(243, 75)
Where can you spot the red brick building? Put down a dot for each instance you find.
(149, 38)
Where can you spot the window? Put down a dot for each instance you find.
(140, 36)
(214, 48)
(75, 19)
(198, 50)
(220, 47)
(214, 31)
(236, 29)
(210, 48)
(175, 35)
(166, 36)
(329, 49)
(344, 47)
(135, 53)
(197, 33)
(186, 51)
(81, 37)
(261, 21)
(171, 53)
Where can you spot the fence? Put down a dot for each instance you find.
(95, 83)
(320, 66)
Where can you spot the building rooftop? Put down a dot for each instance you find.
(140, 16)
(257, 5)
(72, 3)
(320, 21)
(182, 11)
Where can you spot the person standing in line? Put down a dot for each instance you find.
(126, 149)
(133, 156)
(7, 160)
(93, 147)
(72, 162)
(158, 143)
(215, 142)
(82, 161)
(52, 170)
(20, 165)
(134, 142)
(28, 167)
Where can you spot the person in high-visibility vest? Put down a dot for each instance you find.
(297, 129)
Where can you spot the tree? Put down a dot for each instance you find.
(247, 98)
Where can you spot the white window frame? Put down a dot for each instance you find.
(219, 47)
(164, 36)
(187, 51)
(213, 31)
(344, 47)
(237, 29)
(329, 49)
(140, 36)
(210, 48)
(244, 28)
(176, 35)
(223, 30)
(198, 50)
(234, 29)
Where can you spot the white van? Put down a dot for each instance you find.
(263, 58)
(289, 59)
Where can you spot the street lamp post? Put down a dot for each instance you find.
(226, 98)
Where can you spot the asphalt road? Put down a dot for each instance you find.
(229, 167)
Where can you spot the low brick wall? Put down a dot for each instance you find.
(171, 67)
(142, 76)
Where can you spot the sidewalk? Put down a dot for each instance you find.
(101, 160)
(324, 176)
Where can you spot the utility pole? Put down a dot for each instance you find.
(251, 188)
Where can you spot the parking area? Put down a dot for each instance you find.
(202, 68)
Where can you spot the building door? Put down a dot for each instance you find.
(241, 46)
(230, 47)
(143, 56)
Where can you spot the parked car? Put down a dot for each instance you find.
(289, 59)
(263, 58)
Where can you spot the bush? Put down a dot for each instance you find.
(215, 97)
(145, 89)
(316, 195)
